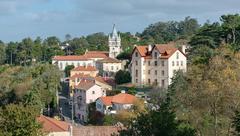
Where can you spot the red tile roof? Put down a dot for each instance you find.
(166, 50)
(85, 68)
(85, 84)
(106, 100)
(96, 54)
(80, 75)
(121, 98)
(53, 125)
(110, 60)
(70, 58)
(124, 98)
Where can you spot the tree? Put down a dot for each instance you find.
(211, 95)
(157, 122)
(68, 69)
(122, 77)
(231, 23)
(2, 53)
(19, 120)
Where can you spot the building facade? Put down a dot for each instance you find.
(155, 65)
(114, 43)
(108, 67)
(85, 93)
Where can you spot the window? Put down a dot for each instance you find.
(78, 64)
(177, 63)
(155, 72)
(173, 63)
(155, 55)
(136, 54)
(162, 72)
(155, 81)
(66, 64)
(162, 63)
(93, 92)
(163, 83)
(111, 67)
(177, 55)
(136, 62)
(181, 63)
(149, 63)
(149, 81)
(155, 63)
(60, 65)
(136, 80)
(149, 72)
(136, 73)
(117, 67)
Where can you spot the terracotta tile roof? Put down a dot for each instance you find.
(84, 68)
(80, 75)
(85, 84)
(70, 58)
(142, 50)
(53, 125)
(110, 60)
(166, 50)
(96, 54)
(122, 98)
(106, 100)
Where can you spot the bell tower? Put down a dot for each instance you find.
(114, 43)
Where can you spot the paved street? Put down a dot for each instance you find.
(63, 103)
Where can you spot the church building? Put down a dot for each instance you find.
(114, 43)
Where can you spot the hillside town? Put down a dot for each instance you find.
(119, 68)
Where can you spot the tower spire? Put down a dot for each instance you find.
(114, 32)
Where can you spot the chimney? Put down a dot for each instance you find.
(184, 47)
(149, 47)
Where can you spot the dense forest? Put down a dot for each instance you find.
(203, 101)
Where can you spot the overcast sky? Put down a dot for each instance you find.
(31, 18)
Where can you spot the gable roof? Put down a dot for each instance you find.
(70, 58)
(109, 60)
(122, 98)
(84, 68)
(85, 84)
(166, 50)
(53, 125)
(106, 100)
(96, 54)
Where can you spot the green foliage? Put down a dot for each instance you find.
(163, 32)
(236, 123)
(68, 69)
(19, 120)
(122, 77)
(2, 52)
(157, 122)
(109, 120)
(124, 56)
(35, 85)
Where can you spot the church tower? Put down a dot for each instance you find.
(114, 43)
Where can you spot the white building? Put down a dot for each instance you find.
(86, 92)
(156, 65)
(108, 67)
(114, 43)
(113, 104)
(63, 61)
